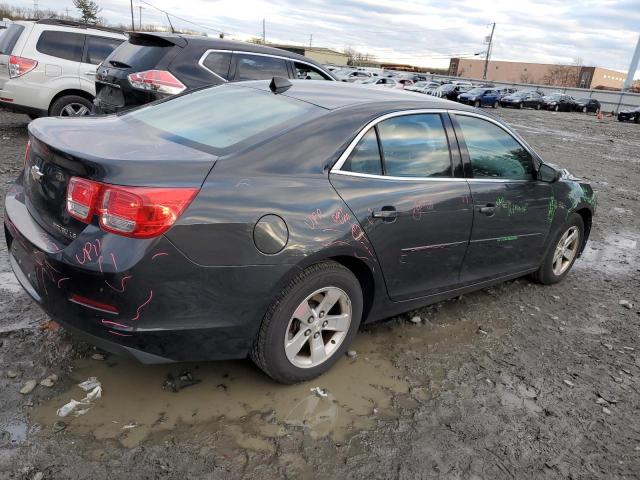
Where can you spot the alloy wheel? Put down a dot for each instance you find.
(566, 250)
(74, 110)
(318, 327)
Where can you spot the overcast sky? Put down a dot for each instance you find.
(427, 33)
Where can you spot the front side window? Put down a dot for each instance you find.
(99, 48)
(218, 63)
(307, 72)
(258, 67)
(365, 158)
(65, 45)
(415, 146)
(493, 152)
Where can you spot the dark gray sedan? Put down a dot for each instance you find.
(272, 219)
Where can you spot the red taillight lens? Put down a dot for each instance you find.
(19, 66)
(142, 212)
(82, 196)
(27, 150)
(157, 81)
(139, 212)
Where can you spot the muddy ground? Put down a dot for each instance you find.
(517, 381)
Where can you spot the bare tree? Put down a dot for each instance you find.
(88, 10)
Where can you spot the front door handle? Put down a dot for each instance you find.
(489, 210)
(386, 213)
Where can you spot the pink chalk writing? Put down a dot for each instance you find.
(143, 305)
(122, 286)
(90, 252)
(159, 254)
(313, 220)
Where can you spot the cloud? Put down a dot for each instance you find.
(421, 32)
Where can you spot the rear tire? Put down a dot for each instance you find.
(71, 106)
(561, 255)
(285, 322)
(520, 105)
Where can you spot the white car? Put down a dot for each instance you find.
(48, 67)
(378, 82)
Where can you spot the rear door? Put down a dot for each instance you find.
(96, 50)
(61, 53)
(402, 183)
(510, 221)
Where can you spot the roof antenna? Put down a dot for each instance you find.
(170, 24)
(279, 85)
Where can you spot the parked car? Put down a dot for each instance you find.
(48, 67)
(630, 115)
(151, 66)
(450, 91)
(423, 87)
(522, 99)
(403, 83)
(352, 75)
(585, 105)
(559, 102)
(481, 97)
(504, 92)
(377, 82)
(122, 229)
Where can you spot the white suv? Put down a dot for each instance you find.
(48, 67)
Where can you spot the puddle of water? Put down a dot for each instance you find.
(13, 432)
(618, 253)
(132, 394)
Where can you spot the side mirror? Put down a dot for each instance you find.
(548, 174)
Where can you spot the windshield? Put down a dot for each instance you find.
(343, 71)
(222, 116)
(554, 97)
(446, 88)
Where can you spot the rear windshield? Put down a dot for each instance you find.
(9, 38)
(223, 116)
(141, 55)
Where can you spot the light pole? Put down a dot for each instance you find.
(486, 58)
(632, 67)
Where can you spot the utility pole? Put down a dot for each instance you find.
(133, 25)
(632, 67)
(264, 33)
(486, 58)
(310, 40)
(35, 8)
(140, 7)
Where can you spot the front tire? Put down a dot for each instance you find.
(310, 324)
(562, 253)
(557, 108)
(495, 104)
(584, 109)
(537, 106)
(476, 104)
(71, 106)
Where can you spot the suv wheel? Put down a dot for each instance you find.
(562, 253)
(310, 324)
(71, 106)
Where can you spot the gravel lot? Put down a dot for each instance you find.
(517, 381)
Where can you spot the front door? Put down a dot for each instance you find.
(398, 182)
(511, 206)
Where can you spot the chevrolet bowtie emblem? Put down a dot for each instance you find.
(36, 174)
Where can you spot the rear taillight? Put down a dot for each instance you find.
(156, 81)
(27, 151)
(82, 196)
(139, 212)
(19, 66)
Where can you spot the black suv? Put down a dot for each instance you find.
(151, 66)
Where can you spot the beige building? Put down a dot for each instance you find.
(318, 54)
(538, 73)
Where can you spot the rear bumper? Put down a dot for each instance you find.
(31, 111)
(147, 300)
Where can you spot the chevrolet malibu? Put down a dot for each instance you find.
(272, 219)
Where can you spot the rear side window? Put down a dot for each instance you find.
(415, 146)
(493, 152)
(222, 116)
(99, 48)
(65, 45)
(218, 63)
(9, 38)
(307, 72)
(365, 158)
(258, 67)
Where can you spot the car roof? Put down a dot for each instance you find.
(334, 95)
(222, 44)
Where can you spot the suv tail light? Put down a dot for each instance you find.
(139, 212)
(19, 66)
(156, 81)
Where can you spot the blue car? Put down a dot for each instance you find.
(481, 97)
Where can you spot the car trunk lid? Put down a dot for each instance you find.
(93, 148)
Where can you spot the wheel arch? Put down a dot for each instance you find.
(587, 219)
(70, 91)
(365, 277)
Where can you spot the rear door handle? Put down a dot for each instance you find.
(386, 213)
(488, 210)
